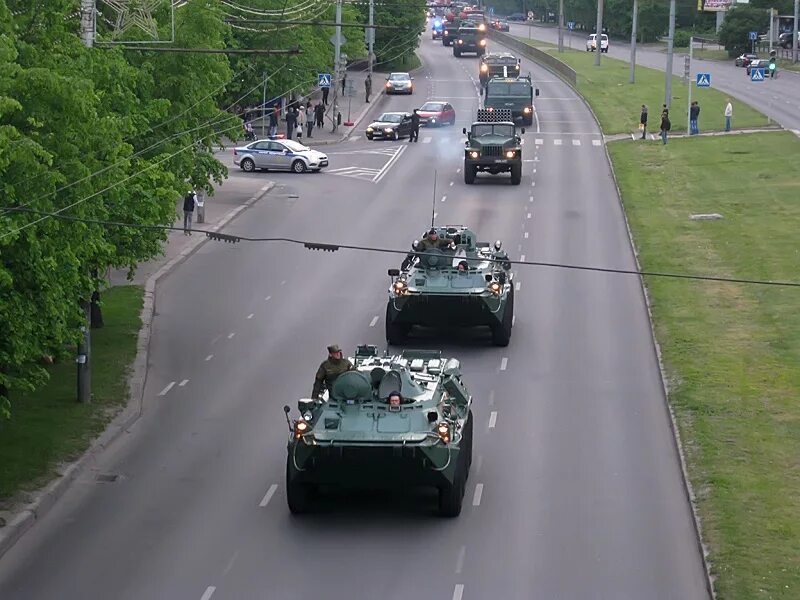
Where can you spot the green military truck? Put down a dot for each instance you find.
(498, 64)
(514, 94)
(493, 146)
(450, 32)
(469, 39)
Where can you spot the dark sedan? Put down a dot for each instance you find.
(745, 59)
(390, 126)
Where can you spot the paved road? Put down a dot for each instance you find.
(581, 494)
(778, 98)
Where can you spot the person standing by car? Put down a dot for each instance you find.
(291, 122)
(309, 119)
(694, 113)
(414, 136)
(643, 121)
(665, 125)
(728, 115)
(273, 122)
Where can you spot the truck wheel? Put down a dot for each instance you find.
(516, 174)
(298, 495)
(469, 174)
(456, 53)
(451, 495)
(396, 333)
(501, 334)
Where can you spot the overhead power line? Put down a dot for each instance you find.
(326, 247)
(203, 50)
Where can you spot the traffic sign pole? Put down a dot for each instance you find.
(689, 79)
(634, 27)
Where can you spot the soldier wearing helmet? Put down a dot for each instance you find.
(329, 370)
(432, 240)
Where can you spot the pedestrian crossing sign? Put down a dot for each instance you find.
(757, 75)
(324, 80)
(704, 80)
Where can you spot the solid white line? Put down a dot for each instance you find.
(504, 363)
(519, 284)
(492, 419)
(268, 496)
(166, 390)
(209, 357)
(208, 593)
(183, 383)
(444, 198)
(251, 315)
(462, 553)
(476, 498)
(458, 592)
(374, 320)
(389, 164)
(526, 235)
(230, 335)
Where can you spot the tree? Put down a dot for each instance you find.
(739, 21)
(407, 17)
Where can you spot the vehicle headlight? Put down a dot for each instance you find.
(443, 431)
(388, 85)
(460, 41)
(388, 130)
(433, 120)
(484, 68)
(517, 67)
(510, 154)
(301, 427)
(400, 287)
(527, 110)
(369, 129)
(474, 154)
(481, 27)
(495, 288)
(483, 42)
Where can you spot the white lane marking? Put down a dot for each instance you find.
(427, 140)
(504, 363)
(374, 320)
(526, 235)
(462, 554)
(268, 496)
(596, 142)
(389, 164)
(216, 339)
(183, 383)
(476, 497)
(492, 419)
(530, 198)
(444, 198)
(435, 215)
(251, 315)
(557, 142)
(355, 138)
(513, 320)
(208, 593)
(458, 170)
(451, 183)
(576, 142)
(519, 284)
(264, 188)
(522, 142)
(458, 591)
(538, 126)
(267, 298)
(522, 258)
(230, 563)
(539, 141)
(209, 357)
(166, 390)
(231, 334)
(533, 184)
(529, 216)
(534, 169)
(283, 282)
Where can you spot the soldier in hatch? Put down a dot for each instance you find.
(431, 241)
(329, 370)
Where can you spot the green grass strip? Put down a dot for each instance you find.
(732, 352)
(49, 426)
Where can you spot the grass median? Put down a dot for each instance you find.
(49, 426)
(731, 350)
(618, 103)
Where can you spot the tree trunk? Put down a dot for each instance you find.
(95, 312)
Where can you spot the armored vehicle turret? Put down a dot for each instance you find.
(456, 281)
(493, 146)
(395, 420)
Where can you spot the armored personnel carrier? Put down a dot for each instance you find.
(466, 284)
(493, 146)
(394, 421)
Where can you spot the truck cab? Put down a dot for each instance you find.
(512, 93)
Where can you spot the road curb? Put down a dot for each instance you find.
(687, 485)
(46, 497)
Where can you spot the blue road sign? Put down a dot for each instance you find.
(704, 80)
(324, 80)
(753, 36)
(571, 25)
(757, 75)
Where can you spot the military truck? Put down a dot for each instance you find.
(513, 93)
(469, 39)
(450, 32)
(362, 434)
(498, 64)
(467, 284)
(493, 146)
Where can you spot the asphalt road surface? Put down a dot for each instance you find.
(777, 98)
(575, 491)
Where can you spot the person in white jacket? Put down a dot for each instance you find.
(301, 122)
(728, 115)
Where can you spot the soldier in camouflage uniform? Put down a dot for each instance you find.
(431, 241)
(329, 370)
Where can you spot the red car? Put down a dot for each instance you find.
(435, 114)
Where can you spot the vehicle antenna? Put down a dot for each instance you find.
(433, 202)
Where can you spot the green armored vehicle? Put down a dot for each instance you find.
(451, 279)
(469, 39)
(493, 146)
(498, 64)
(393, 421)
(512, 93)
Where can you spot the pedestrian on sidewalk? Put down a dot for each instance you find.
(188, 210)
(325, 92)
(301, 123)
(368, 86)
(291, 122)
(728, 115)
(309, 119)
(273, 122)
(643, 121)
(414, 136)
(344, 81)
(319, 112)
(665, 125)
(694, 113)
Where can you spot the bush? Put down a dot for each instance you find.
(681, 39)
(738, 23)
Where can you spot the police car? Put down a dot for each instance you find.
(278, 155)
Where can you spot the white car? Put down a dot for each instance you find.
(278, 155)
(591, 43)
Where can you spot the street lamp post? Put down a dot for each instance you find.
(598, 38)
(670, 49)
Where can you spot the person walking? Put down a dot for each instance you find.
(414, 135)
(188, 210)
(309, 119)
(319, 111)
(291, 122)
(728, 115)
(665, 125)
(344, 81)
(368, 86)
(694, 113)
(301, 123)
(643, 121)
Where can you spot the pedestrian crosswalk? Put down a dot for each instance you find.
(560, 142)
(362, 173)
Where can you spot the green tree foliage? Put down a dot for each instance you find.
(408, 16)
(739, 21)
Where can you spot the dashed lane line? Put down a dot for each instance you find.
(576, 142)
(231, 334)
(451, 183)
(166, 390)
(264, 188)
(183, 383)
(209, 357)
(504, 363)
(557, 142)
(268, 496)
(458, 591)
(267, 298)
(513, 320)
(208, 593)
(355, 138)
(539, 141)
(526, 235)
(374, 320)
(444, 198)
(251, 315)
(529, 216)
(476, 497)
(521, 258)
(462, 554)
(596, 142)
(492, 419)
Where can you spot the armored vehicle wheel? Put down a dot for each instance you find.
(298, 495)
(396, 333)
(248, 165)
(456, 53)
(451, 495)
(501, 334)
(469, 174)
(516, 174)
(299, 166)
